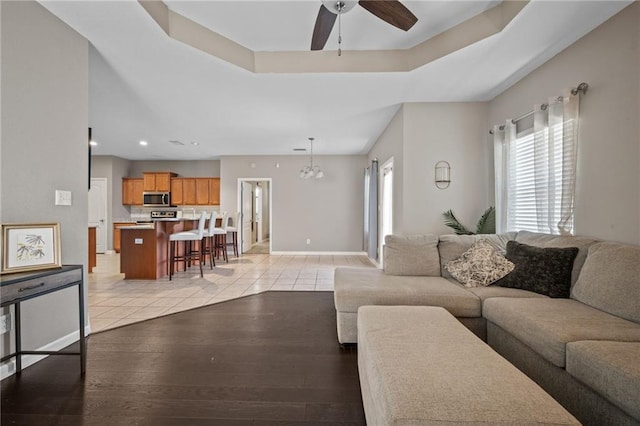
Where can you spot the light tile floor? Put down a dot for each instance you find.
(114, 301)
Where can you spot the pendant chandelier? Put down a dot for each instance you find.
(311, 171)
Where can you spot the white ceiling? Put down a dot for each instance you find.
(145, 85)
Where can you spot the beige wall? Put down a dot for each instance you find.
(420, 135)
(454, 132)
(44, 147)
(327, 211)
(608, 183)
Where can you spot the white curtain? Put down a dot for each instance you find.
(503, 138)
(371, 210)
(536, 170)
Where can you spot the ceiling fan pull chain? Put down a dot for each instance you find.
(340, 32)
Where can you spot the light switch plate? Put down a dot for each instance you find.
(63, 198)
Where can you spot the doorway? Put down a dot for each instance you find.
(386, 204)
(98, 212)
(254, 203)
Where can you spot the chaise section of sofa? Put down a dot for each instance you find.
(559, 342)
(547, 325)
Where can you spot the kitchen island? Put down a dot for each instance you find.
(144, 250)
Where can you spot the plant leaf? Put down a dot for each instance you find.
(452, 222)
(487, 222)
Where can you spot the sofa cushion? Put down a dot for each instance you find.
(485, 293)
(452, 246)
(610, 280)
(480, 265)
(547, 240)
(355, 287)
(610, 368)
(543, 270)
(411, 255)
(547, 325)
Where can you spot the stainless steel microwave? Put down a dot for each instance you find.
(156, 199)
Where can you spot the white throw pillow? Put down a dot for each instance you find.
(479, 266)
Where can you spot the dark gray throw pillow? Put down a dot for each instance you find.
(542, 270)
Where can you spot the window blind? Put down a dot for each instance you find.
(538, 175)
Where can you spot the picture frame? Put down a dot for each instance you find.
(29, 247)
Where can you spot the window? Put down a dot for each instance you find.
(535, 164)
(536, 176)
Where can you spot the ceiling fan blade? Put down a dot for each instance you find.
(392, 12)
(322, 29)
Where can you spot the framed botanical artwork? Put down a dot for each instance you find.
(27, 247)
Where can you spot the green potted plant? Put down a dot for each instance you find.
(486, 224)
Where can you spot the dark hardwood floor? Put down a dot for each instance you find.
(267, 359)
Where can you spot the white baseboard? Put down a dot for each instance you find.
(9, 368)
(375, 263)
(318, 253)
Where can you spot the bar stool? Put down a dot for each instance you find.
(189, 255)
(220, 237)
(233, 230)
(208, 240)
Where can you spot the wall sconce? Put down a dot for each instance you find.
(443, 174)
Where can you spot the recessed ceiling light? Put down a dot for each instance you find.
(93, 143)
(143, 143)
(195, 143)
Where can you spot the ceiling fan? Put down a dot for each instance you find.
(390, 11)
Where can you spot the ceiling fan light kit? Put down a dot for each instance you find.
(310, 171)
(391, 11)
(338, 7)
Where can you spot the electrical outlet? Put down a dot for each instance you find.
(5, 323)
(308, 241)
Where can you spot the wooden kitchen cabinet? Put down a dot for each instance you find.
(157, 181)
(202, 191)
(189, 191)
(177, 197)
(195, 191)
(132, 189)
(214, 191)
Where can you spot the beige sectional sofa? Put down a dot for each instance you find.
(583, 350)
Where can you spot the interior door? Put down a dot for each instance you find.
(98, 211)
(247, 215)
(258, 214)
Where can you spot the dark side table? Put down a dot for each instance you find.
(16, 288)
